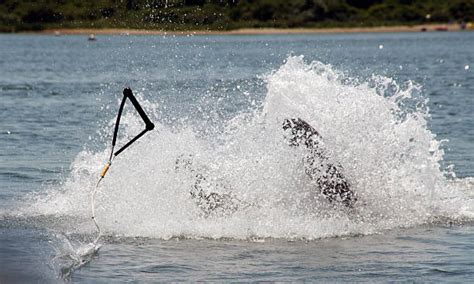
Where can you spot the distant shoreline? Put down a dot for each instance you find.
(252, 31)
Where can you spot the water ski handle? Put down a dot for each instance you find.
(127, 92)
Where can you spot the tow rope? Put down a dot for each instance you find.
(127, 94)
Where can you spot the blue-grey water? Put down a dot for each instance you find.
(59, 96)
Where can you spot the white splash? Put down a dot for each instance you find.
(377, 130)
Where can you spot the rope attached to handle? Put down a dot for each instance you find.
(127, 94)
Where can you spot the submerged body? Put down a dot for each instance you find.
(328, 178)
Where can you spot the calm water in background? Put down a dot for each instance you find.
(55, 93)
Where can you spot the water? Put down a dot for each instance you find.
(221, 100)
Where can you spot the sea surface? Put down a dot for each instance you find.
(396, 111)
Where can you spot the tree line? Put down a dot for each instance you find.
(17, 15)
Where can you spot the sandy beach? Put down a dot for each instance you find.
(256, 31)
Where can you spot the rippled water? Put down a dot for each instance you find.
(221, 99)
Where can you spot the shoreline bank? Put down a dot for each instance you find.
(253, 31)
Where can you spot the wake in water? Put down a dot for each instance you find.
(376, 130)
(71, 255)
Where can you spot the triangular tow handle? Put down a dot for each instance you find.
(127, 93)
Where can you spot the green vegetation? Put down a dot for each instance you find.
(18, 15)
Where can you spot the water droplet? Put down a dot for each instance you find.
(466, 67)
(381, 46)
